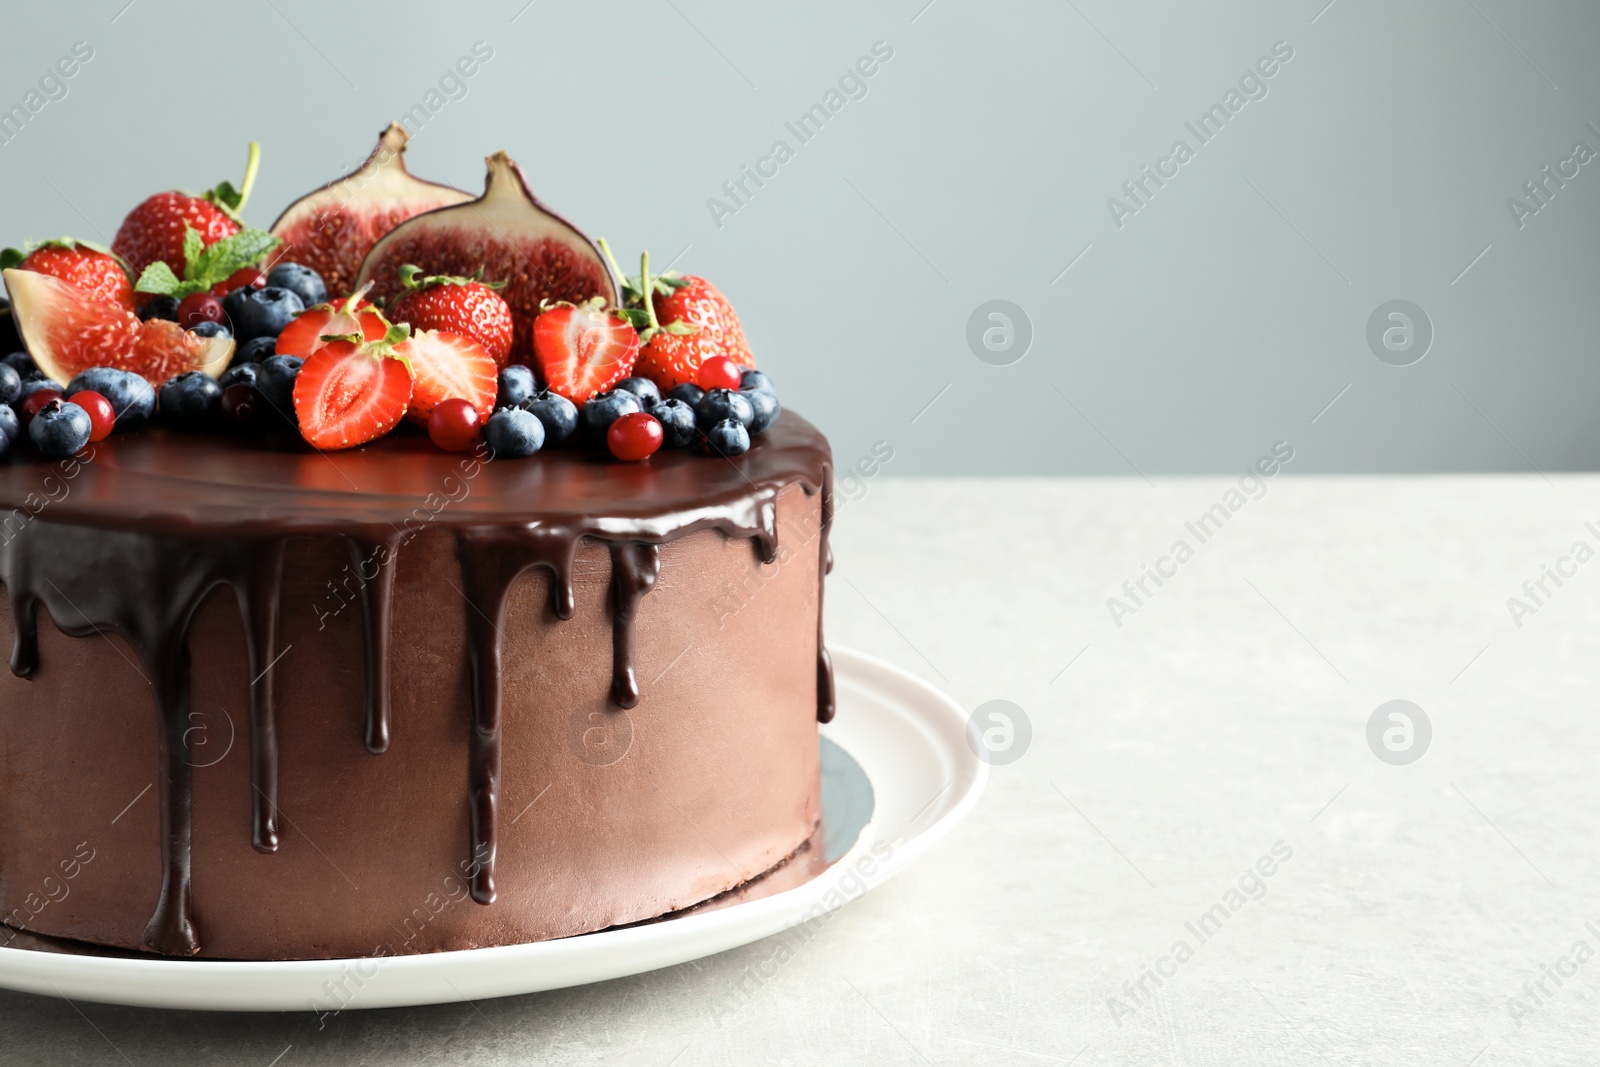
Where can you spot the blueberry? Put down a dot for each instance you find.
(60, 429)
(190, 400)
(605, 408)
(754, 379)
(558, 414)
(765, 405)
(5, 443)
(10, 383)
(275, 378)
(160, 307)
(688, 392)
(210, 329)
(263, 312)
(243, 374)
(644, 389)
(516, 386)
(513, 433)
(677, 423)
(300, 280)
(720, 404)
(253, 351)
(132, 398)
(31, 386)
(233, 303)
(10, 425)
(728, 438)
(23, 364)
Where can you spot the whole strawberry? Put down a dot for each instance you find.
(687, 322)
(154, 230)
(466, 306)
(79, 263)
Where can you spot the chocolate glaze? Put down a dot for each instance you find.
(152, 523)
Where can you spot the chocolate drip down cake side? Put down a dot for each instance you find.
(367, 581)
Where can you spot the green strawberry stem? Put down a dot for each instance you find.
(250, 168)
(644, 288)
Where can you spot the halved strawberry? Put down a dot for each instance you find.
(347, 394)
(304, 335)
(583, 349)
(446, 366)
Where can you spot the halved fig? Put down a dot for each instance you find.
(332, 229)
(508, 235)
(67, 330)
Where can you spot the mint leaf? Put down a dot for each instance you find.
(218, 261)
(192, 246)
(226, 196)
(11, 257)
(158, 279)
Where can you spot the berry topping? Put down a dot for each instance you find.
(241, 404)
(133, 398)
(558, 415)
(190, 401)
(634, 436)
(516, 385)
(349, 393)
(24, 365)
(754, 379)
(160, 307)
(512, 433)
(300, 280)
(157, 230)
(199, 307)
(254, 351)
(102, 416)
(466, 306)
(240, 374)
(262, 313)
(448, 366)
(243, 278)
(211, 330)
(31, 402)
(10, 383)
(454, 425)
(765, 406)
(644, 389)
(59, 429)
(688, 392)
(718, 372)
(304, 335)
(728, 438)
(275, 379)
(10, 425)
(677, 423)
(720, 404)
(583, 350)
(79, 263)
(601, 411)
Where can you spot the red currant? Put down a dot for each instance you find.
(197, 308)
(102, 416)
(454, 424)
(36, 400)
(636, 435)
(718, 372)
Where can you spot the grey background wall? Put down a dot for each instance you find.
(1189, 330)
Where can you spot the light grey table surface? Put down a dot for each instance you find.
(1227, 715)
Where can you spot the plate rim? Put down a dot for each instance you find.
(138, 981)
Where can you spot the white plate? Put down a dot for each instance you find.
(905, 738)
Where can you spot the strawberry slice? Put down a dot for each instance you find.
(348, 394)
(446, 366)
(304, 335)
(583, 350)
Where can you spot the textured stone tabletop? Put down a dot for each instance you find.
(1200, 858)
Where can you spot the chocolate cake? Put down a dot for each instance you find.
(400, 580)
(470, 702)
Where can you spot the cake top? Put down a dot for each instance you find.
(375, 303)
